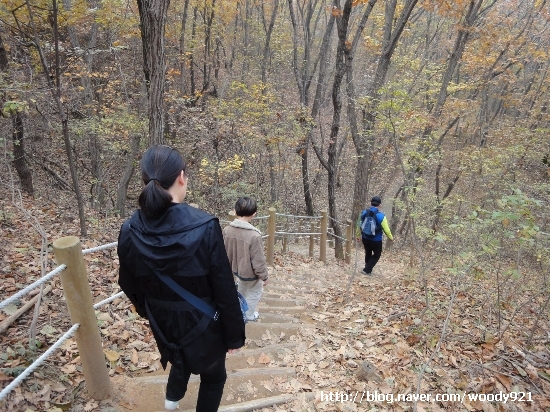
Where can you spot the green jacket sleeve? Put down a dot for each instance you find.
(386, 228)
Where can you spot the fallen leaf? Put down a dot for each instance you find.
(68, 369)
(111, 355)
(413, 339)
(10, 309)
(269, 386)
(127, 405)
(4, 377)
(90, 406)
(48, 330)
(532, 372)
(250, 361)
(323, 364)
(505, 380)
(263, 358)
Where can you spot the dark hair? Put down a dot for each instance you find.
(160, 167)
(376, 201)
(245, 206)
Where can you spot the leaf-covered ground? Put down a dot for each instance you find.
(387, 335)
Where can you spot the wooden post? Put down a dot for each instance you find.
(285, 237)
(271, 223)
(300, 230)
(349, 240)
(79, 302)
(323, 240)
(231, 216)
(311, 238)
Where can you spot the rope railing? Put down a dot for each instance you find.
(20, 378)
(299, 217)
(32, 286)
(50, 275)
(336, 236)
(298, 234)
(261, 217)
(110, 299)
(337, 221)
(98, 248)
(13, 384)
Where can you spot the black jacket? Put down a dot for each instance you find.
(186, 244)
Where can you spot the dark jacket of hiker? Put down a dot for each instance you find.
(186, 244)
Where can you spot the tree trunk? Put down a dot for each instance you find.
(208, 18)
(152, 17)
(97, 190)
(25, 175)
(127, 175)
(192, 54)
(263, 68)
(182, 47)
(246, 42)
(4, 60)
(334, 147)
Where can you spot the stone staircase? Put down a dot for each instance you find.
(261, 374)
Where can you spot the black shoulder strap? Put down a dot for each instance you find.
(188, 338)
(189, 297)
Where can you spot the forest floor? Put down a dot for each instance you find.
(381, 337)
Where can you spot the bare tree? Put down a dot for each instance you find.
(364, 140)
(57, 95)
(304, 19)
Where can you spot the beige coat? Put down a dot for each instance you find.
(243, 243)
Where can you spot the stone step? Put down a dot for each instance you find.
(308, 282)
(280, 309)
(259, 403)
(282, 295)
(256, 330)
(286, 289)
(242, 385)
(246, 358)
(231, 374)
(281, 302)
(266, 317)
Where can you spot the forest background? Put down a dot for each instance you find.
(439, 107)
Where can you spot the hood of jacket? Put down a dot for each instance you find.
(241, 224)
(169, 242)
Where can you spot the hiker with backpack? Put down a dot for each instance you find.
(372, 223)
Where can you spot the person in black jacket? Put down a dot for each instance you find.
(166, 238)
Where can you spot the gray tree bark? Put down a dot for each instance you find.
(152, 17)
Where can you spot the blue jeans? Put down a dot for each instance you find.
(210, 390)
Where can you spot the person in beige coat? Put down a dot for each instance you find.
(243, 244)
